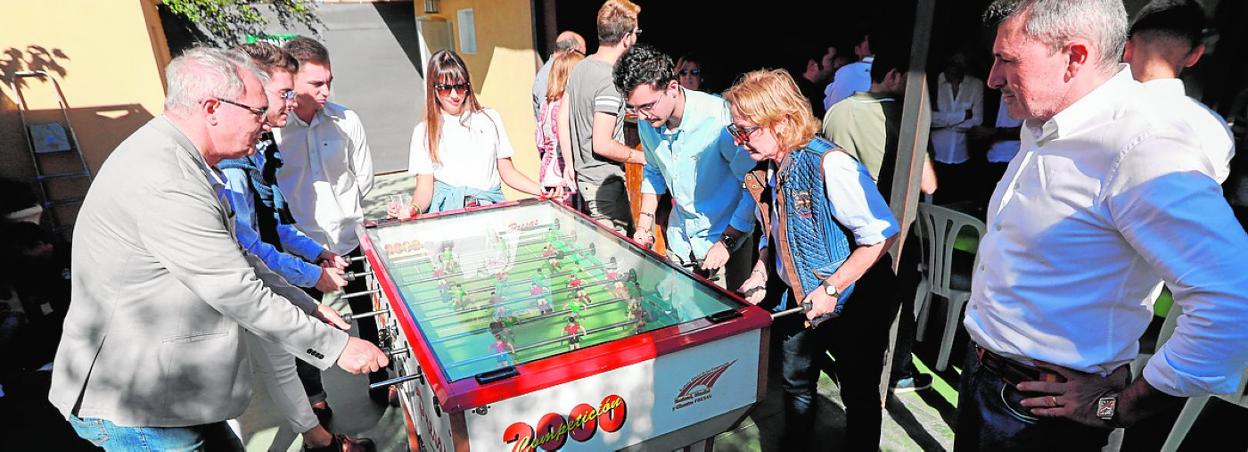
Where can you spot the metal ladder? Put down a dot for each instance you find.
(51, 141)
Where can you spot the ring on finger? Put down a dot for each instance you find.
(1053, 400)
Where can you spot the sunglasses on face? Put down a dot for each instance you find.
(254, 110)
(445, 89)
(693, 72)
(740, 134)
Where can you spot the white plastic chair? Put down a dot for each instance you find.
(938, 230)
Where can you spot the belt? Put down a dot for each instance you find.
(1011, 371)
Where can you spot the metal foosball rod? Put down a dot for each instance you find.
(361, 293)
(542, 343)
(521, 242)
(356, 258)
(355, 317)
(479, 278)
(527, 320)
(492, 306)
(397, 380)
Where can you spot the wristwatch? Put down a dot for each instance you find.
(1107, 408)
(729, 241)
(831, 289)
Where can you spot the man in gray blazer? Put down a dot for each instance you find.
(153, 351)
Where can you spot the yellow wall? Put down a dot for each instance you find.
(503, 69)
(108, 56)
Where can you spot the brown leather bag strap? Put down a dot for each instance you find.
(756, 185)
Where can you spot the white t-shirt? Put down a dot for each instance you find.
(468, 151)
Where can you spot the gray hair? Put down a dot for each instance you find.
(1054, 22)
(202, 73)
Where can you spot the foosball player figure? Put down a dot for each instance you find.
(634, 303)
(501, 313)
(500, 329)
(574, 331)
(552, 235)
(539, 278)
(444, 291)
(500, 276)
(459, 297)
(575, 281)
(448, 260)
(582, 296)
(536, 290)
(549, 251)
(613, 270)
(503, 350)
(555, 262)
(543, 306)
(576, 306)
(620, 290)
(439, 272)
(639, 317)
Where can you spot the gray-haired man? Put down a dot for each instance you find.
(1107, 197)
(153, 351)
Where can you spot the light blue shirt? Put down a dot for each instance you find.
(703, 169)
(297, 271)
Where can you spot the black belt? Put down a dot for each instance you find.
(1011, 371)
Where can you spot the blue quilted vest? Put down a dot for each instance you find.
(812, 244)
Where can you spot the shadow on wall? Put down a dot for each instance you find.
(32, 58)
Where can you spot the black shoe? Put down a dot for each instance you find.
(323, 415)
(344, 443)
(913, 382)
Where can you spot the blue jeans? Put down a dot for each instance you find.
(207, 437)
(991, 419)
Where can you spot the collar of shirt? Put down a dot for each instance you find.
(1167, 86)
(692, 110)
(331, 111)
(1082, 114)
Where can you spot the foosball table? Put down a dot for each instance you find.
(526, 325)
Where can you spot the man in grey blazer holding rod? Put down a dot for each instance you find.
(153, 353)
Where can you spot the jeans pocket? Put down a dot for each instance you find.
(92, 430)
(1011, 400)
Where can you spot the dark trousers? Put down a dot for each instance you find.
(907, 280)
(857, 341)
(991, 419)
(955, 181)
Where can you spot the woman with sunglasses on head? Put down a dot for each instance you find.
(554, 146)
(826, 228)
(460, 153)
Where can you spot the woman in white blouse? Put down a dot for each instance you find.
(460, 153)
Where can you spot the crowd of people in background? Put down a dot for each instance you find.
(1098, 178)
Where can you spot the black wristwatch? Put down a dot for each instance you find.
(729, 241)
(1107, 408)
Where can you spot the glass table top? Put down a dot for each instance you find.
(503, 286)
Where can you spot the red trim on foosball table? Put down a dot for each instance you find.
(464, 394)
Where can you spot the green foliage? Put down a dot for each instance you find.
(228, 22)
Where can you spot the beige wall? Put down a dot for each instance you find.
(502, 69)
(108, 56)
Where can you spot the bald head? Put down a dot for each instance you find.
(569, 40)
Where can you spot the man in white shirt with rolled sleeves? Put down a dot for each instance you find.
(1165, 39)
(1107, 197)
(327, 169)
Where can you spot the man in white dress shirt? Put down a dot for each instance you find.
(327, 169)
(959, 106)
(1107, 197)
(852, 77)
(1165, 39)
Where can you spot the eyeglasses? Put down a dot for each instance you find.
(287, 94)
(693, 72)
(637, 32)
(644, 108)
(254, 110)
(445, 89)
(741, 135)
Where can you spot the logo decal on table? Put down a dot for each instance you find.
(699, 387)
(582, 422)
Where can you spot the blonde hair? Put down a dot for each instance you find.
(769, 98)
(616, 19)
(560, 69)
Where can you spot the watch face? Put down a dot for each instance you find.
(1105, 407)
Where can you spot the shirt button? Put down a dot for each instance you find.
(997, 226)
